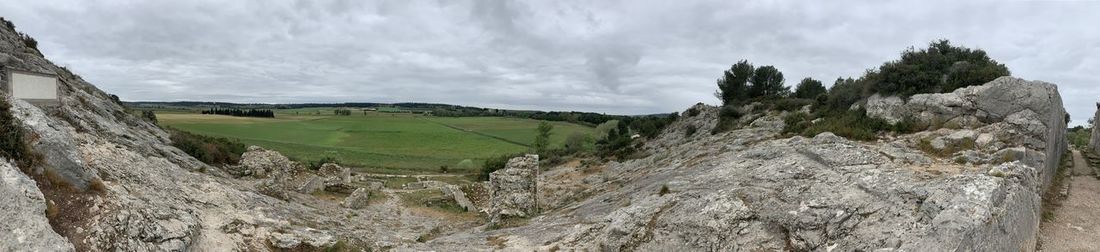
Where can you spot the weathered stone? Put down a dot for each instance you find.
(454, 192)
(889, 108)
(357, 199)
(276, 188)
(264, 163)
(56, 144)
(513, 190)
(336, 178)
(312, 184)
(23, 223)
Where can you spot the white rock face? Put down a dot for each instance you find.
(513, 190)
(890, 108)
(23, 223)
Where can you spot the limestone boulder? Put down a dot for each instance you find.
(265, 163)
(23, 223)
(513, 190)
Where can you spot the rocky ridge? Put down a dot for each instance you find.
(754, 189)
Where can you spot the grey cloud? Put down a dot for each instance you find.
(626, 57)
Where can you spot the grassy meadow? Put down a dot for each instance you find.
(378, 142)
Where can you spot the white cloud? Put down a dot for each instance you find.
(625, 57)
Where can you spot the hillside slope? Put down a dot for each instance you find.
(111, 181)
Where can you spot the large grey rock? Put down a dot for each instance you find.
(264, 163)
(23, 223)
(514, 189)
(358, 199)
(889, 108)
(54, 143)
(1032, 107)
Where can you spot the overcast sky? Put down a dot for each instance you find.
(622, 57)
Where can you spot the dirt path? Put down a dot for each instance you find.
(1076, 223)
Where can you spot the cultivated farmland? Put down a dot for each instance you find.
(376, 141)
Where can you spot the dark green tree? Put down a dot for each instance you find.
(809, 88)
(939, 68)
(767, 81)
(733, 86)
(542, 139)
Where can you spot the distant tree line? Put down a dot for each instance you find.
(342, 112)
(240, 112)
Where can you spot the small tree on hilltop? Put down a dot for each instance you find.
(733, 86)
(767, 81)
(809, 88)
(542, 139)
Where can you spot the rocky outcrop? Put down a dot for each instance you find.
(262, 163)
(1004, 106)
(133, 191)
(513, 190)
(23, 223)
(750, 189)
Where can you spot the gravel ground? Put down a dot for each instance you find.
(1076, 224)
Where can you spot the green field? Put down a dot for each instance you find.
(376, 141)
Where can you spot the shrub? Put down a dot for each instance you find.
(664, 190)
(693, 111)
(796, 123)
(578, 142)
(316, 165)
(493, 164)
(790, 104)
(12, 144)
(150, 116)
(851, 124)
(689, 131)
(809, 88)
(726, 117)
(617, 143)
(29, 41)
(939, 68)
(210, 150)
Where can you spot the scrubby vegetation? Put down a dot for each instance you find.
(1079, 136)
(493, 164)
(939, 68)
(727, 115)
(209, 150)
(13, 145)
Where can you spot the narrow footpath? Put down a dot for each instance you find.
(1076, 223)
